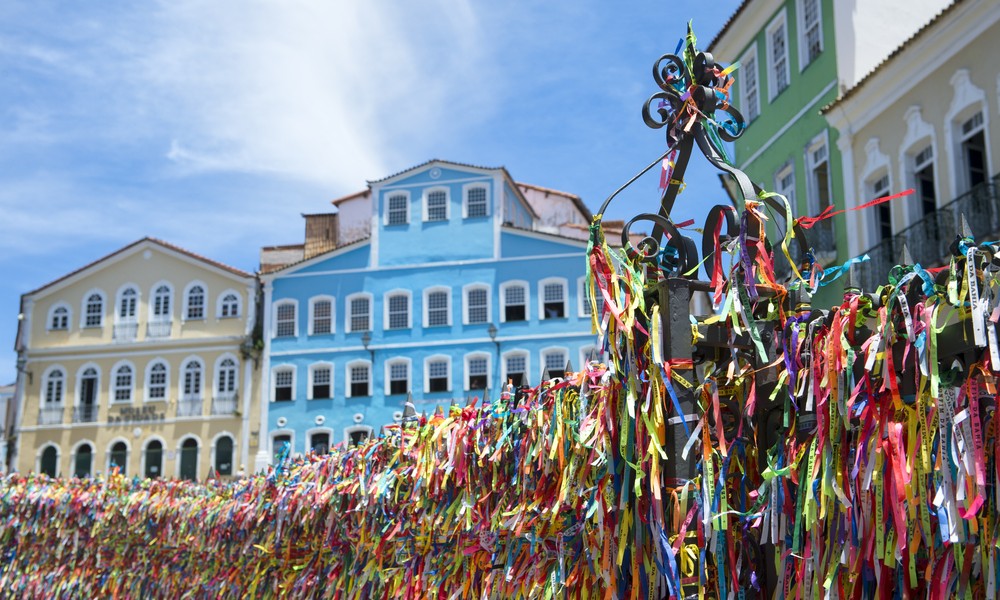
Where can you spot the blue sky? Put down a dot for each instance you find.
(213, 124)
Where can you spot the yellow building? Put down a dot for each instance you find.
(143, 360)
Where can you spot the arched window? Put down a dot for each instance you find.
(359, 378)
(278, 442)
(54, 386)
(121, 390)
(436, 205)
(514, 301)
(321, 315)
(224, 455)
(359, 310)
(397, 376)
(475, 204)
(93, 311)
(320, 381)
(437, 373)
(397, 310)
(229, 305)
(284, 319)
(397, 209)
(86, 410)
(59, 318)
(118, 457)
(49, 463)
(319, 442)
(156, 382)
(127, 304)
(195, 301)
(437, 307)
(83, 460)
(161, 303)
(224, 401)
(284, 384)
(154, 459)
(552, 298)
(477, 304)
(189, 459)
(191, 385)
(477, 371)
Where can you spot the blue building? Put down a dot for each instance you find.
(436, 284)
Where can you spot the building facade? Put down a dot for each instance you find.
(138, 361)
(444, 289)
(797, 56)
(928, 119)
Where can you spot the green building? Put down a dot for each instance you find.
(797, 56)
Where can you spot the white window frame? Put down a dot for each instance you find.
(83, 311)
(919, 135)
(220, 301)
(784, 171)
(749, 63)
(503, 299)
(93, 456)
(52, 314)
(128, 454)
(217, 371)
(801, 29)
(812, 194)
(871, 179)
(426, 305)
(354, 429)
(149, 373)
(119, 296)
(41, 452)
(582, 300)
(278, 432)
(780, 20)
(312, 369)
(348, 314)
(489, 369)
(447, 203)
(312, 315)
(385, 217)
(967, 99)
(274, 317)
(44, 392)
(178, 453)
(347, 377)
(313, 431)
(409, 309)
(403, 360)
(545, 352)
(182, 373)
(187, 299)
(113, 383)
(153, 317)
(584, 353)
(234, 458)
(427, 372)
(145, 449)
(465, 199)
(465, 302)
(541, 297)
(527, 364)
(274, 380)
(78, 384)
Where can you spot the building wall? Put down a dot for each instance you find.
(137, 418)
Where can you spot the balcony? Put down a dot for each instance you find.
(158, 329)
(189, 407)
(84, 414)
(126, 332)
(224, 404)
(51, 415)
(929, 240)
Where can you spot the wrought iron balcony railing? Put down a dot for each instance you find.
(189, 406)
(85, 414)
(126, 332)
(158, 329)
(51, 415)
(224, 404)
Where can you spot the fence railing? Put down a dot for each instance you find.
(126, 332)
(85, 414)
(224, 404)
(50, 415)
(189, 407)
(158, 329)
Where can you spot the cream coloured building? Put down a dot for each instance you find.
(927, 119)
(142, 359)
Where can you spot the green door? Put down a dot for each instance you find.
(189, 459)
(154, 459)
(84, 458)
(50, 459)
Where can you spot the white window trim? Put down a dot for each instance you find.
(503, 364)
(75, 449)
(584, 353)
(309, 433)
(919, 135)
(309, 386)
(52, 313)
(447, 203)
(403, 360)
(552, 350)
(780, 19)
(146, 378)
(275, 369)
(333, 314)
(291, 442)
(45, 385)
(426, 306)
(219, 302)
(145, 448)
(749, 55)
(582, 300)
(503, 298)
(118, 303)
(967, 100)
(41, 451)
(385, 212)
(347, 311)
(541, 297)
(465, 302)
(784, 170)
(180, 380)
(217, 371)
(427, 372)
(465, 199)
(274, 317)
(876, 166)
(187, 292)
(354, 429)
(153, 317)
(489, 369)
(178, 453)
(347, 377)
(801, 32)
(812, 197)
(79, 383)
(212, 454)
(83, 306)
(409, 309)
(112, 382)
(128, 454)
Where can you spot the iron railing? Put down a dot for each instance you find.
(126, 332)
(158, 329)
(224, 404)
(85, 414)
(189, 406)
(50, 415)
